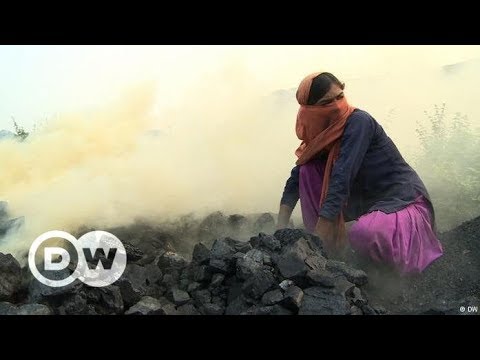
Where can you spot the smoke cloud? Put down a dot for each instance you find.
(222, 140)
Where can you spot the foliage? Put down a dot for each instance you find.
(449, 165)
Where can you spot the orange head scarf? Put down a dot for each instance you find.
(321, 128)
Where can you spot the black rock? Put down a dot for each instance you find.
(237, 306)
(368, 310)
(288, 236)
(187, 309)
(267, 310)
(129, 295)
(169, 280)
(107, 300)
(238, 255)
(343, 286)
(285, 284)
(147, 259)
(217, 280)
(267, 260)
(149, 239)
(321, 278)
(219, 291)
(223, 266)
(356, 297)
(146, 306)
(355, 310)
(75, 304)
(264, 223)
(270, 242)
(133, 252)
(202, 297)
(259, 283)
(222, 257)
(254, 242)
(299, 258)
(223, 249)
(238, 246)
(272, 297)
(39, 292)
(358, 277)
(170, 309)
(10, 276)
(167, 308)
(7, 308)
(323, 301)
(212, 227)
(266, 242)
(380, 310)
(154, 274)
(212, 309)
(193, 287)
(201, 254)
(171, 260)
(218, 300)
(186, 273)
(156, 291)
(201, 273)
(136, 281)
(249, 264)
(30, 309)
(234, 289)
(179, 297)
(292, 299)
(183, 284)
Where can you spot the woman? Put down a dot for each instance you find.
(349, 169)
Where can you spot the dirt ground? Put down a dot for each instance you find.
(449, 283)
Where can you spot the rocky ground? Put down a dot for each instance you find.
(239, 265)
(444, 287)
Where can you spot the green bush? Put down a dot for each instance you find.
(449, 164)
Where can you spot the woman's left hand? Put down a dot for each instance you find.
(325, 231)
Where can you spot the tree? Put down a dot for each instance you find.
(20, 132)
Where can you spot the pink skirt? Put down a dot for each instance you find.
(404, 239)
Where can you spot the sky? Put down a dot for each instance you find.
(38, 82)
(225, 137)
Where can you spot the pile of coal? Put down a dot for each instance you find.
(285, 273)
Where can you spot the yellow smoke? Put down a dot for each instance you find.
(220, 148)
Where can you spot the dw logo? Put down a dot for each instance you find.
(100, 258)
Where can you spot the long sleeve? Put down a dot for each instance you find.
(291, 192)
(356, 140)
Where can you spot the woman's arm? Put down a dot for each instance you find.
(289, 198)
(355, 142)
(284, 215)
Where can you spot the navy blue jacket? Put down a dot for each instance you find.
(370, 173)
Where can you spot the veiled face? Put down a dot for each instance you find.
(334, 94)
(332, 103)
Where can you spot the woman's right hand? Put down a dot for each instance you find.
(284, 216)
